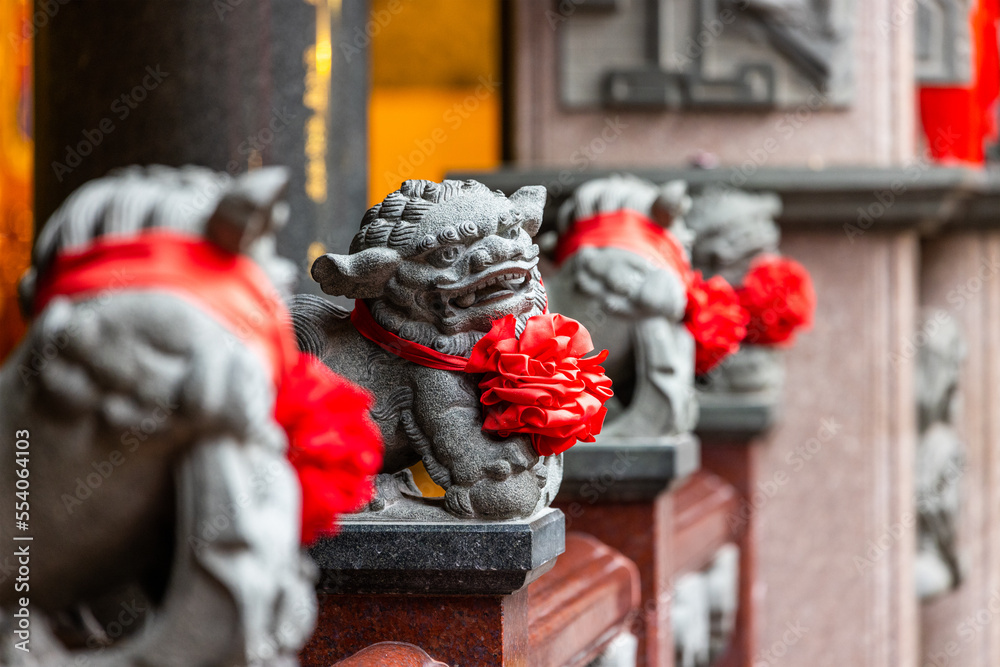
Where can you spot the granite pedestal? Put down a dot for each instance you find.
(456, 589)
(741, 416)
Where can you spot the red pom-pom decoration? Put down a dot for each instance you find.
(333, 444)
(778, 295)
(715, 319)
(540, 384)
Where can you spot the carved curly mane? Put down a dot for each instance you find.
(395, 222)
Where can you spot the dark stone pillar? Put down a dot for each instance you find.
(228, 84)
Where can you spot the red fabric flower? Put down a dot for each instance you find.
(715, 319)
(541, 384)
(333, 444)
(778, 295)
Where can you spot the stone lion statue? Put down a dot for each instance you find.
(162, 510)
(732, 229)
(633, 304)
(436, 264)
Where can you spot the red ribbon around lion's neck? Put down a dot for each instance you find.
(538, 384)
(332, 443)
(368, 326)
(364, 322)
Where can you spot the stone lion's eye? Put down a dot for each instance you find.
(444, 256)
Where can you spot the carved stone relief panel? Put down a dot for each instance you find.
(940, 456)
(674, 54)
(943, 41)
(703, 610)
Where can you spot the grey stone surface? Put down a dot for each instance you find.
(731, 228)
(940, 458)
(633, 308)
(438, 558)
(668, 54)
(436, 264)
(628, 469)
(752, 369)
(164, 515)
(737, 415)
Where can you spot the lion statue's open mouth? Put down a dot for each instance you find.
(508, 280)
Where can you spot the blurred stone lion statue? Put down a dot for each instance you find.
(163, 510)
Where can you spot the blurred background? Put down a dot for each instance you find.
(874, 121)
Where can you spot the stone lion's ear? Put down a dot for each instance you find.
(361, 275)
(251, 207)
(530, 200)
(673, 202)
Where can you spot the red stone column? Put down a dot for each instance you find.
(470, 594)
(576, 610)
(960, 274)
(642, 531)
(456, 629)
(618, 492)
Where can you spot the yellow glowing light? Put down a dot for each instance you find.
(16, 159)
(318, 59)
(324, 57)
(315, 250)
(428, 487)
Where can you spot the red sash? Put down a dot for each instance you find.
(628, 230)
(332, 442)
(366, 325)
(232, 288)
